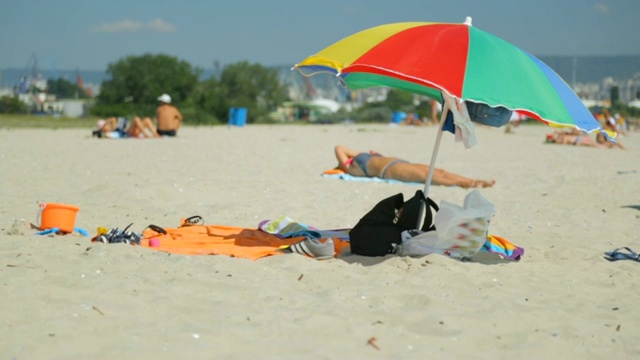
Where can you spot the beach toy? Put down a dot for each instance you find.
(81, 231)
(154, 242)
(60, 216)
(56, 231)
(48, 231)
(102, 230)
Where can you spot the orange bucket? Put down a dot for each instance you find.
(61, 216)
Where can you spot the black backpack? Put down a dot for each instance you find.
(378, 232)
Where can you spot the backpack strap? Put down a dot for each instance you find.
(429, 223)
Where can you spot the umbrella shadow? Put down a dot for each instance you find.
(636, 207)
(480, 258)
(489, 259)
(346, 256)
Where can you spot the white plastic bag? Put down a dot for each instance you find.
(460, 231)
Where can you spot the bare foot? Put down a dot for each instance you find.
(479, 184)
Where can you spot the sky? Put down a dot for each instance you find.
(90, 34)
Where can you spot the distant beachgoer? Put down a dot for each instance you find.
(120, 127)
(372, 164)
(577, 138)
(412, 119)
(434, 112)
(168, 116)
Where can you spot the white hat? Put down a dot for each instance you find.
(165, 98)
(101, 123)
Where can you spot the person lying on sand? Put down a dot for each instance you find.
(412, 119)
(119, 127)
(373, 164)
(577, 138)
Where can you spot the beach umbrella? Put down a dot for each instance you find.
(458, 63)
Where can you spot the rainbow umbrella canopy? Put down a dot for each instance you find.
(458, 59)
(453, 61)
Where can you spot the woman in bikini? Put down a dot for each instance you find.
(576, 138)
(373, 164)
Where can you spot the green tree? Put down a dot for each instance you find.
(397, 100)
(400, 100)
(136, 82)
(64, 89)
(615, 96)
(207, 98)
(242, 84)
(12, 105)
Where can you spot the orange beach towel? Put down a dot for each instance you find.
(221, 240)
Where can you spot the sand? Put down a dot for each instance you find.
(65, 297)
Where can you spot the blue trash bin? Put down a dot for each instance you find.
(398, 116)
(237, 116)
(232, 116)
(241, 116)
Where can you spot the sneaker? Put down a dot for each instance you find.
(314, 248)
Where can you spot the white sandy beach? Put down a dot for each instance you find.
(64, 297)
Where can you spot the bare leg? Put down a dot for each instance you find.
(142, 128)
(147, 124)
(434, 112)
(610, 145)
(135, 128)
(418, 173)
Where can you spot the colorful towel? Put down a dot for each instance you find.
(232, 241)
(284, 227)
(501, 246)
(339, 174)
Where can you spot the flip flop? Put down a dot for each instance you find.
(618, 254)
(193, 220)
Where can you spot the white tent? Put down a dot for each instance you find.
(328, 104)
(634, 103)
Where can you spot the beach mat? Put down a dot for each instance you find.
(339, 174)
(232, 241)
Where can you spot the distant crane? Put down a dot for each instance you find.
(33, 80)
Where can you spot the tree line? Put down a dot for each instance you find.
(135, 82)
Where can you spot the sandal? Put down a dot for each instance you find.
(192, 220)
(618, 254)
(156, 228)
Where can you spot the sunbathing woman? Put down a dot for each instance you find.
(372, 164)
(576, 138)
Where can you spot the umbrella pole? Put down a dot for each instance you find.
(432, 165)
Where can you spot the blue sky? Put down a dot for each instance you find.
(89, 34)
